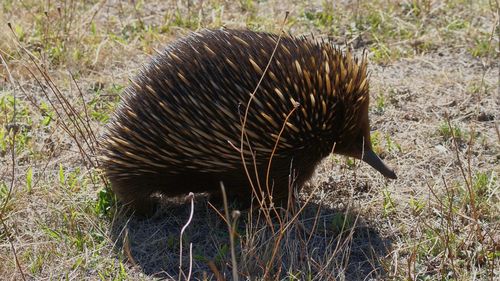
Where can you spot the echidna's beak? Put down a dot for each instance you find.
(373, 160)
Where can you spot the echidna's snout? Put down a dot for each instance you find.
(373, 160)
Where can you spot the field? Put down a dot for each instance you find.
(435, 111)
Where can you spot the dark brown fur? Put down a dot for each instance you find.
(179, 124)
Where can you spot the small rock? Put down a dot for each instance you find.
(483, 116)
(410, 117)
(441, 149)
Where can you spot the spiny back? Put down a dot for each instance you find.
(183, 113)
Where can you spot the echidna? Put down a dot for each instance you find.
(179, 125)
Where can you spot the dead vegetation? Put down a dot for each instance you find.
(434, 112)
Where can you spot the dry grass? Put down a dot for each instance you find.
(435, 111)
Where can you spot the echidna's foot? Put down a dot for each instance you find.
(140, 206)
(278, 200)
(240, 201)
(145, 207)
(284, 197)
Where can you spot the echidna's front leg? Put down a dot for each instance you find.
(135, 197)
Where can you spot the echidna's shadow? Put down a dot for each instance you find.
(153, 244)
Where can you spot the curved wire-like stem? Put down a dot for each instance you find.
(181, 273)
